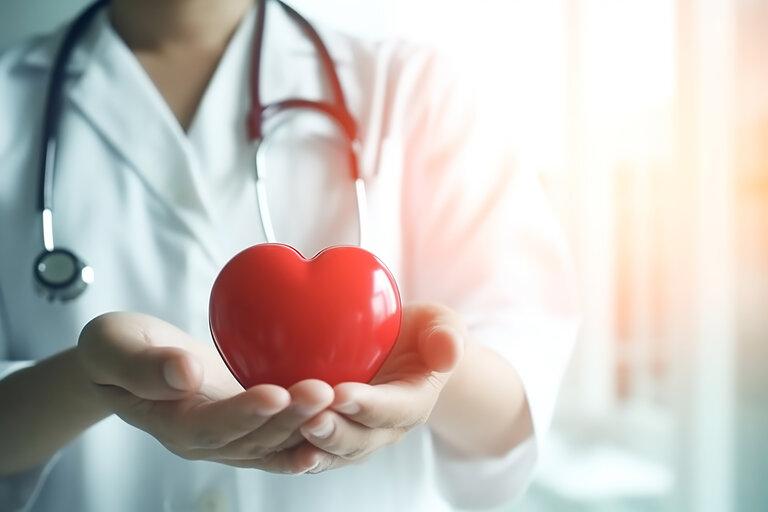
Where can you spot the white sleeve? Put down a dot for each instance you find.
(17, 491)
(7, 366)
(481, 239)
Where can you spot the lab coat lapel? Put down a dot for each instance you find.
(217, 134)
(115, 94)
(118, 98)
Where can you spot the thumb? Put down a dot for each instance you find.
(161, 373)
(154, 373)
(441, 347)
(114, 355)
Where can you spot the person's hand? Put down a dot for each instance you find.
(159, 379)
(365, 417)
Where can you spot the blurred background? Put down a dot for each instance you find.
(648, 122)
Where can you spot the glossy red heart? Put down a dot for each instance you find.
(279, 318)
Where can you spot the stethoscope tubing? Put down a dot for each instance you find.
(336, 111)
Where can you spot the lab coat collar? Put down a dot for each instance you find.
(118, 98)
(42, 51)
(103, 75)
(107, 86)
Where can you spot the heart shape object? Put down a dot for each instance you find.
(278, 318)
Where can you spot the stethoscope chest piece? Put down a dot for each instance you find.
(60, 275)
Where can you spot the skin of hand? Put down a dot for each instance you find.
(160, 380)
(366, 417)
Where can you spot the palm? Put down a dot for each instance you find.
(403, 393)
(406, 364)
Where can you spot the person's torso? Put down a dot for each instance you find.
(157, 214)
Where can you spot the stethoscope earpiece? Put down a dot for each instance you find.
(60, 275)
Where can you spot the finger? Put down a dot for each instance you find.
(119, 354)
(441, 342)
(328, 461)
(195, 426)
(308, 398)
(154, 373)
(212, 425)
(295, 461)
(340, 436)
(294, 439)
(441, 348)
(123, 402)
(394, 405)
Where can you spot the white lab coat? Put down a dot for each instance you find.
(158, 212)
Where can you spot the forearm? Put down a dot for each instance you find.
(42, 408)
(482, 411)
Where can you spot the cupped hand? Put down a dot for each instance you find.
(161, 380)
(366, 417)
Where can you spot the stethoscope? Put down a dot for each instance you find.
(59, 273)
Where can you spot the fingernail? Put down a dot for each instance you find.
(325, 429)
(175, 374)
(348, 408)
(445, 330)
(310, 470)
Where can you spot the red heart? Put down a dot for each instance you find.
(279, 318)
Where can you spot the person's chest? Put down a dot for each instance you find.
(157, 212)
(157, 221)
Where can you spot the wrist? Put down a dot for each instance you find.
(50, 402)
(482, 410)
(448, 402)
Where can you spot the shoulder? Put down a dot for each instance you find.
(402, 61)
(407, 83)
